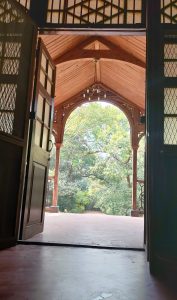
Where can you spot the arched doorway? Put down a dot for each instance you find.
(127, 120)
(133, 113)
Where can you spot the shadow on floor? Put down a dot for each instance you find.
(58, 273)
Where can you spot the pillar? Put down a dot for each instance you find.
(54, 207)
(135, 211)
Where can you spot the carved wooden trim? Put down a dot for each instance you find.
(132, 112)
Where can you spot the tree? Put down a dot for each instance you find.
(96, 161)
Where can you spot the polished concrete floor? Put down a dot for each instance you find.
(58, 273)
(92, 229)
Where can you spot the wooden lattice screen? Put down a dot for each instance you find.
(86, 13)
(10, 53)
(95, 12)
(169, 11)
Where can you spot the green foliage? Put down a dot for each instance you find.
(140, 162)
(140, 169)
(96, 161)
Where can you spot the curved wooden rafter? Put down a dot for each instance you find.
(109, 51)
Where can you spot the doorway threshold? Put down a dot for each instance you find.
(53, 244)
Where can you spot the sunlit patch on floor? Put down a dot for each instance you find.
(103, 296)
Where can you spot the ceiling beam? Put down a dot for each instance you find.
(76, 49)
(97, 62)
(113, 52)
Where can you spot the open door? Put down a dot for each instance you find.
(38, 154)
(17, 52)
(162, 136)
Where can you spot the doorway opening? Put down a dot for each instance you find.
(95, 183)
(109, 63)
(97, 68)
(89, 69)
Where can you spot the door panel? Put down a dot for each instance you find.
(168, 152)
(38, 156)
(17, 50)
(162, 140)
(37, 191)
(11, 156)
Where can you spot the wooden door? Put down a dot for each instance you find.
(17, 51)
(38, 155)
(162, 136)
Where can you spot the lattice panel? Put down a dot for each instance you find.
(169, 11)
(7, 96)
(6, 122)
(170, 101)
(10, 53)
(95, 12)
(10, 67)
(170, 131)
(7, 107)
(10, 56)
(170, 60)
(170, 116)
(9, 13)
(11, 49)
(25, 3)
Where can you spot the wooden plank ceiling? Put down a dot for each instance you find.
(118, 62)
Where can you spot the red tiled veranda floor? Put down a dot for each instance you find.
(92, 229)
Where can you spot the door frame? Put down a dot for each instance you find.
(115, 33)
(78, 31)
